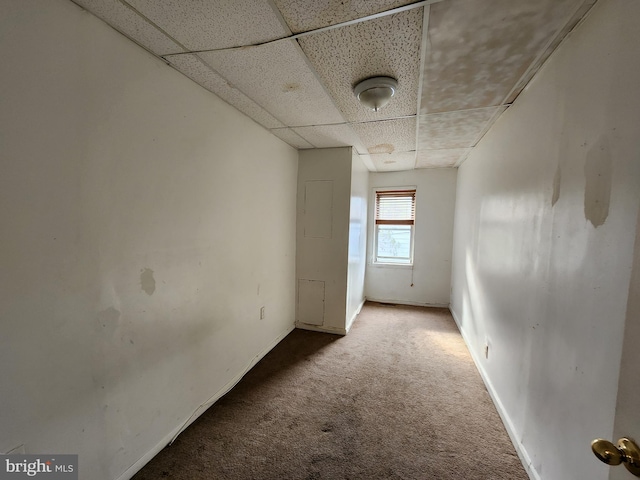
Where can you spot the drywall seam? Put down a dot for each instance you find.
(506, 420)
(168, 439)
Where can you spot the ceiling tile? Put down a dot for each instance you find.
(279, 79)
(394, 161)
(305, 15)
(195, 69)
(328, 136)
(441, 158)
(206, 24)
(454, 129)
(385, 46)
(539, 61)
(127, 21)
(291, 137)
(479, 49)
(387, 136)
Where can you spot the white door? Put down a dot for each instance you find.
(627, 420)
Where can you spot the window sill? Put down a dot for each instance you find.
(391, 265)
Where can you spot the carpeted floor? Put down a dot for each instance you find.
(397, 398)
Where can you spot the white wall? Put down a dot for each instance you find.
(357, 237)
(545, 225)
(431, 272)
(144, 224)
(324, 191)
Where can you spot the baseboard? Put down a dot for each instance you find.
(321, 328)
(353, 317)
(168, 439)
(406, 302)
(506, 419)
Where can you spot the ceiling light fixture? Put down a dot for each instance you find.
(375, 92)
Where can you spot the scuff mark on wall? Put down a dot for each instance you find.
(557, 180)
(108, 316)
(108, 321)
(597, 192)
(147, 282)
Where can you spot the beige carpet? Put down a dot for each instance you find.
(397, 398)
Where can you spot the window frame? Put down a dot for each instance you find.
(389, 261)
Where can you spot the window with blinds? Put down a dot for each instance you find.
(394, 221)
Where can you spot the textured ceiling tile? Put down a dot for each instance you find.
(278, 78)
(394, 161)
(537, 64)
(328, 136)
(387, 136)
(478, 49)
(195, 69)
(209, 24)
(292, 138)
(128, 22)
(385, 46)
(454, 129)
(305, 15)
(441, 158)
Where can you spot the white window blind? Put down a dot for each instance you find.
(396, 207)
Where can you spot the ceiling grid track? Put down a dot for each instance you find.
(457, 64)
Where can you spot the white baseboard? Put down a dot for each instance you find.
(506, 419)
(406, 302)
(171, 436)
(320, 328)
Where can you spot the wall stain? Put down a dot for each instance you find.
(147, 282)
(557, 180)
(108, 317)
(598, 172)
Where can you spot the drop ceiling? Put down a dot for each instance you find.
(291, 65)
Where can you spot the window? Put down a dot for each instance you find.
(395, 215)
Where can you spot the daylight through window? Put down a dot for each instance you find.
(394, 222)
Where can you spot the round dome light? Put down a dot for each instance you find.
(375, 92)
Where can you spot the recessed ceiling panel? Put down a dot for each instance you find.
(305, 15)
(454, 129)
(387, 136)
(207, 24)
(328, 136)
(127, 21)
(394, 162)
(479, 49)
(388, 46)
(278, 78)
(198, 71)
(291, 137)
(441, 158)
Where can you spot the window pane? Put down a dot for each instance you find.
(394, 243)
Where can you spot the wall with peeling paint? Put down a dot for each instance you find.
(144, 225)
(428, 282)
(546, 217)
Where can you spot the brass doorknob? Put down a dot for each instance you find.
(626, 452)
